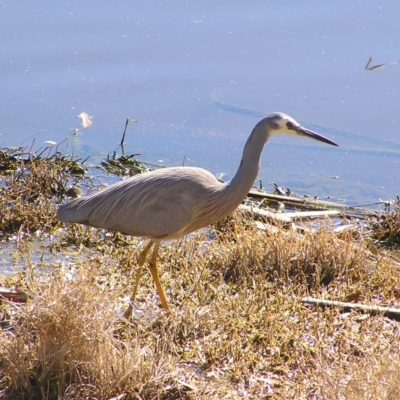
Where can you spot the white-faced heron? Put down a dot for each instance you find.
(169, 203)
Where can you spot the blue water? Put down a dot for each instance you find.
(198, 75)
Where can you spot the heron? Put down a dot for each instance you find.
(168, 203)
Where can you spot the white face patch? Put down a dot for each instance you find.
(282, 123)
(286, 125)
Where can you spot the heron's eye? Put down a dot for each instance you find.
(290, 125)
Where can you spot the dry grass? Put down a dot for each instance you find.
(66, 344)
(387, 231)
(247, 337)
(29, 185)
(238, 328)
(374, 376)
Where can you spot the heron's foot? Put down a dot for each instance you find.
(128, 313)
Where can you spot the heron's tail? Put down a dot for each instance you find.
(73, 212)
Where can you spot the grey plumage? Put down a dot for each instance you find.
(172, 202)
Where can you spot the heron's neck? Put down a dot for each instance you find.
(248, 169)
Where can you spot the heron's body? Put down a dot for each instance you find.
(172, 202)
(188, 199)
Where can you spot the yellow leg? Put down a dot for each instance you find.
(154, 273)
(141, 261)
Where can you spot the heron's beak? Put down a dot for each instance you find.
(313, 135)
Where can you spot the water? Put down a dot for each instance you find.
(198, 75)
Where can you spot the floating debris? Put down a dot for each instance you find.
(124, 165)
(86, 120)
(378, 66)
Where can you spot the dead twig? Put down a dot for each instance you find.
(126, 126)
(393, 313)
(314, 204)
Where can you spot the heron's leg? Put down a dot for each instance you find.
(141, 261)
(154, 273)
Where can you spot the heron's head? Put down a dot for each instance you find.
(280, 123)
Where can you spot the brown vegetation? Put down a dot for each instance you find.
(30, 183)
(238, 328)
(387, 231)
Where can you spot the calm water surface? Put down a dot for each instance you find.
(198, 75)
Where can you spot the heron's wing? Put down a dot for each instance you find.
(163, 216)
(150, 205)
